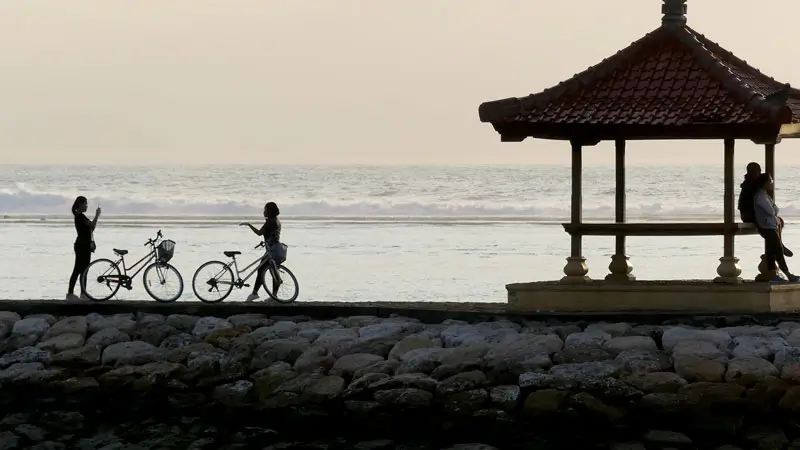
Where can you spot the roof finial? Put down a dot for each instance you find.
(674, 12)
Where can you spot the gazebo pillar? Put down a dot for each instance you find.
(576, 269)
(765, 274)
(728, 269)
(620, 267)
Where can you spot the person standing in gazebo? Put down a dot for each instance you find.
(766, 214)
(747, 202)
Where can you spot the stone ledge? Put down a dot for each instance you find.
(699, 296)
(426, 312)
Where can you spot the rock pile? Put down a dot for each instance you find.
(149, 381)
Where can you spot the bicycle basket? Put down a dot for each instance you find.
(165, 250)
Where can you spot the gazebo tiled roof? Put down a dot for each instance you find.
(673, 83)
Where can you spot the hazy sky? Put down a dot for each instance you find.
(330, 81)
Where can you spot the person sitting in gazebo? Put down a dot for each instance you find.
(766, 215)
(747, 204)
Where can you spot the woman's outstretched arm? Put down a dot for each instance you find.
(255, 230)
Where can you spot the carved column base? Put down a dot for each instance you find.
(729, 270)
(621, 269)
(764, 274)
(576, 270)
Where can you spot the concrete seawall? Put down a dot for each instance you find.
(390, 376)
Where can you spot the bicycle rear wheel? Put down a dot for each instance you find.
(163, 282)
(281, 284)
(101, 279)
(212, 282)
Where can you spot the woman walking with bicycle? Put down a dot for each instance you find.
(84, 244)
(271, 230)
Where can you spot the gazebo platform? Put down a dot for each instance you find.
(701, 296)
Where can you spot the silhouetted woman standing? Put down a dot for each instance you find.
(766, 215)
(271, 230)
(84, 244)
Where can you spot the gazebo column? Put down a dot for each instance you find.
(728, 269)
(765, 274)
(620, 267)
(576, 269)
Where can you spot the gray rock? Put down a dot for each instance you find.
(618, 345)
(673, 335)
(238, 393)
(505, 397)
(666, 437)
(756, 346)
(33, 326)
(182, 322)
(8, 440)
(105, 337)
(68, 325)
(179, 340)
(9, 317)
(347, 365)
(33, 372)
(699, 349)
(581, 371)
(278, 330)
(470, 447)
(250, 320)
(272, 351)
(31, 432)
(62, 342)
(153, 332)
(206, 325)
(134, 353)
(25, 355)
(408, 380)
(122, 322)
(313, 359)
(749, 371)
(613, 329)
(461, 382)
(592, 339)
(404, 398)
(413, 342)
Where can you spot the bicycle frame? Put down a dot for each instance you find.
(144, 263)
(126, 280)
(258, 263)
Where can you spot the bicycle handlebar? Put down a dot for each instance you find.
(260, 244)
(152, 241)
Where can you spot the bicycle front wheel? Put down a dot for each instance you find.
(101, 279)
(281, 284)
(163, 282)
(212, 282)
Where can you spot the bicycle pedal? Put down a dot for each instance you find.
(246, 285)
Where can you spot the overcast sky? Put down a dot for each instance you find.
(330, 81)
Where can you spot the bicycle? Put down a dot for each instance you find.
(159, 272)
(220, 279)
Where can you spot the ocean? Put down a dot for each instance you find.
(367, 233)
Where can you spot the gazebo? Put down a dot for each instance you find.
(673, 83)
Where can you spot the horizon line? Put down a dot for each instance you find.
(482, 164)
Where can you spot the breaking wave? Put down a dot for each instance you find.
(22, 201)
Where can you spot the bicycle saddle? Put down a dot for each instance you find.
(232, 253)
(120, 252)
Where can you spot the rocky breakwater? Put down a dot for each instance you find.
(251, 381)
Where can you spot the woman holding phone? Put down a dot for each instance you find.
(84, 244)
